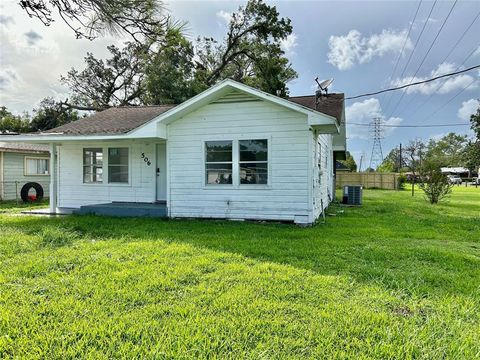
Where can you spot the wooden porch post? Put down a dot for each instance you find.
(53, 178)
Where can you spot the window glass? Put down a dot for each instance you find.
(219, 151)
(37, 166)
(93, 165)
(253, 173)
(118, 165)
(253, 150)
(253, 161)
(218, 162)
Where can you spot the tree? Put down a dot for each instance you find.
(170, 74)
(10, 123)
(447, 151)
(251, 52)
(472, 150)
(50, 114)
(434, 184)
(140, 19)
(117, 81)
(414, 153)
(174, 70)
(386, 166)
(349, 162)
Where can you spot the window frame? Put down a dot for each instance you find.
(105, 165)
(253, 162)
(93, 166)
(26, 158)
(205, 163)
(236, 163)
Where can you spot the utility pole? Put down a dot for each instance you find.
(377, 134)
(400, 162)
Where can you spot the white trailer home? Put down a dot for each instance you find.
(230, 152)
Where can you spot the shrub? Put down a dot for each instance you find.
(435, 185)
(401, 181)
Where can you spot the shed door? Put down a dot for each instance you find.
(161, 172)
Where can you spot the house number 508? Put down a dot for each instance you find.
(146, 159)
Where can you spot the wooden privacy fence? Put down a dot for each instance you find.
(368, 180)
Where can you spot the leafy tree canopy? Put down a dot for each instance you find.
(448, 150)
(140, 19)
(10, 123)
(50, 114)
(174, 70)
(349, 162)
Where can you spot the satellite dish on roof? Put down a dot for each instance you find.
(322, 88)
(325, 84)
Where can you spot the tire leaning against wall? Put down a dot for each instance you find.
(26, 189)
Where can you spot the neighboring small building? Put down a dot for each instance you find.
(20, 164)
(460, 171)
(230, 152)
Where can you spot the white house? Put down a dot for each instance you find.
(230, 152)
(22, 164)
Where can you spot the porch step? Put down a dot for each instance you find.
(123, 209)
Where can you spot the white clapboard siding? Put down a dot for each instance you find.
(322, 182)
(73, 193)
(14, 171)
(231, 118)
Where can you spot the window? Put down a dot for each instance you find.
(253, 161)
(218, 162)
(93, 165)
(118, 165)
(241, 162)
(37, 166)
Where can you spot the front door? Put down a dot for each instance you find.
(161, 172)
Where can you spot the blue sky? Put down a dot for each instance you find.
(355, 42)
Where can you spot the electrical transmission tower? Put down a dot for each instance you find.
(377, 135)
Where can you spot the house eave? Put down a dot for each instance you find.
(50, 138)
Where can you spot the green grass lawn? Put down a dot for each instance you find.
(395, 278)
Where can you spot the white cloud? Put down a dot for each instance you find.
(440, 86)
(8, 77)
(468, 108)
(363, 112)
(224, 15)
(289, 43)
(351, 49)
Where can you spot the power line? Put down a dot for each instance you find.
(414, 84)
(426, 54)
(442, 83)
(406, 39)
(451, 99)
(446, 57)
(411, 126)
(414, 47)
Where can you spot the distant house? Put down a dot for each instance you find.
(230, 152)
(20, 164)
(460, 171)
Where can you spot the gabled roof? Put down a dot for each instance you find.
(141, 121)
(116, 120)
(23, 147)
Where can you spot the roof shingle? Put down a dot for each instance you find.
(121, 120)
(23, 147)
(332, 104)
(116, 120)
